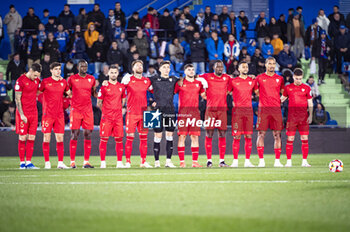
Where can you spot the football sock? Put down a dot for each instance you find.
(195, 151)
(169, 147)
(305, 148)
(60, 151)
(278, 153)
(248, 147)
(289, 149)
(208, 147)
(103, 148)
(156, 147)
(21, 150)
(260, 152)
(29, 149)
(143, 147)
(235, 148)
(119, 148)
(128, 148)
(72, 149)
(46, 151)
(87, 149)
(222, 147)
(181, 151)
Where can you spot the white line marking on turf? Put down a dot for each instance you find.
(180, 182)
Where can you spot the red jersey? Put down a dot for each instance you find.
(29, 90)
(81, 91)
(137, 95)
(112, 96)
(188, 93)
(269, 90)
(217, 90)
(242, 90)
(298, 96)
(53, 96)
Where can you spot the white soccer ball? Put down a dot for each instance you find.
(336, 166)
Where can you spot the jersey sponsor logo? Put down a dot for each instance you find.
(264, 80)
(237, 83)
(49, 84)
(22, 130)
(27, 83)
(76, 80)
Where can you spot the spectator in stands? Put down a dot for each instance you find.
(252, 67)
(206, 33)
(181, 25)
(258, 61)
(134, 23)
(224, 33)
(123, 43)
(176, 51)
(42, 36)
(90, 36)
(200, 20)
(320, 51)
(114, 55)
(223, 16)
(142, 46)
(154, 50)
(244, 20)
(267, 48)
(34, 50)
(148, 32)
(149, 18)
(13, 21)
(336, 11)
(283, 27)
(4, 86)
(215, 24)
(51, 26)
(117, 30)
(342, 45)
(78, 49)
(30, 21)
(334, 25)
(15, 68)
(20, 44)
(134, 56)
(69, 69)
(45, 19)
(167, 23)
(9, 116)
(234, 26)
(286, 58)
(299, 10)
(208, 15)
(290, 15)
(176, 14)
(66, 18)
(288, 77)
(312, 34)
(252, 46)
(119, 14)
(262, 31)
(97, 17)
(296, 34)
(243, 54)
(197, 46)
(45, 66)
(320, 115)
(277, 44)
(274, 28)
(109, 25)
(316, 97)
(99, 51)
(231, 50)
(215, 48)
(103, 76)
(51, 47)
(82, 18)
(62, 38)
(188, 15)
(347, 21)
(188, 34)
(322, 20)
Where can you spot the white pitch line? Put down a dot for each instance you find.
(179, 182)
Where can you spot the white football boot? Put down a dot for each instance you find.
(248, 164)
(261, 163)
(234, 163)
(47, 165)
(157, 164)
(103, 164)
(289, 163)
(145, 165)
(278, 164)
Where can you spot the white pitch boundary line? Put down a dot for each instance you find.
(179, 182)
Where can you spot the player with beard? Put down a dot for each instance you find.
(111, 99)
(268, 86)
(216, 94)
(83, 86)
(189, 92)
(241, 89)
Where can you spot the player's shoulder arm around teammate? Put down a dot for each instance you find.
(42, 85)
(126, 79)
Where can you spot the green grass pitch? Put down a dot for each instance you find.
(217, 199)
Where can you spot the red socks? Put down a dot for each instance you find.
(181, 151)
(278, 153)
(260, 152)
(72, 149)
(46, 151)
(60, 151)
(305, 148)
(208, 146)
(248, 147)
(29, 150)
(289, 149)
(21, 150)
(235, 148)
(195, 151)
(87, 149)
(222, 147)
(143, 147)
(103, 148)
(119, 148)
(128, 148)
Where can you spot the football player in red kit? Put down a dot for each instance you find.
(26, 89)
(83, 86)
(300, 100)
(269, 85)
(111, 99)
(53, 89)
(242, 113)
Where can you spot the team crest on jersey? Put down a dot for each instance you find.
(197, 85)
(303, 90)
(89, 80)
(170, 79)
(35, 82)
(159, 79)
(120, 89)
(224, 78)
(62, 84)
(250, 83)
(277, 80)
(145, 81)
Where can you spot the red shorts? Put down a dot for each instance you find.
(27, 128)
(133, 122)
(293, 126)
(112, 127)
(47, 123)
(187, 123)
(269, 119)
(242, 122)
(84, 119)
(219, 116)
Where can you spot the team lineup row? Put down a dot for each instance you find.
(132, 91)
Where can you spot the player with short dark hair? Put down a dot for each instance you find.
(189, 91)
(83, 86)
(300, 101)
(111, 99)
(216, 94)
(241, 89)
(53, 89)
(269, 85)
(26, 89)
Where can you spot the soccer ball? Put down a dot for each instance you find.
(336, 166)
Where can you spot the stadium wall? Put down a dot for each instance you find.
(325, 140)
